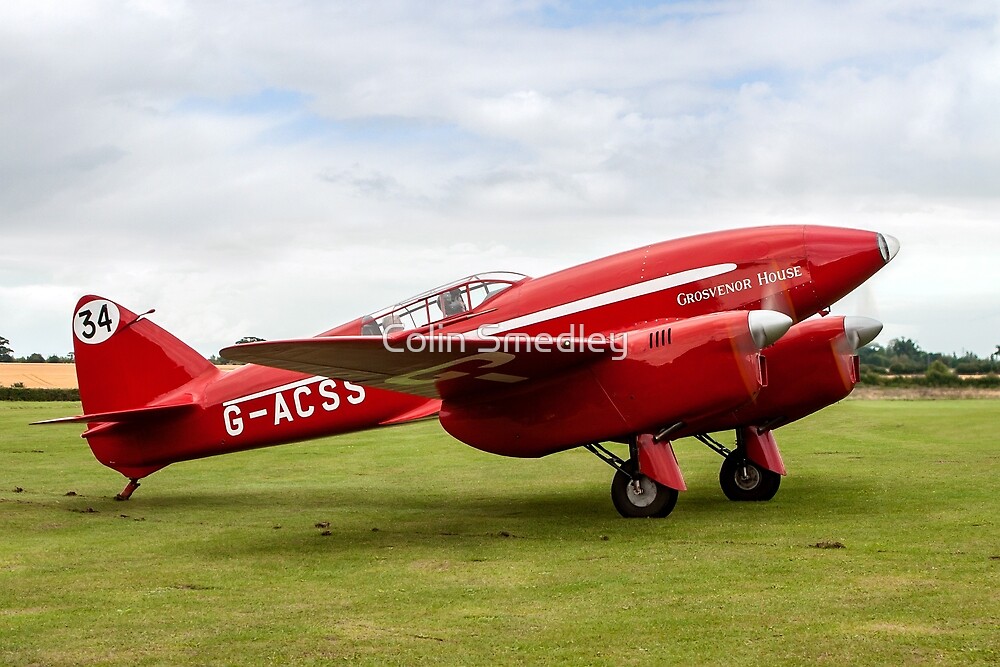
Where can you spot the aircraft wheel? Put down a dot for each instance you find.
(742, 479)
(641, 498)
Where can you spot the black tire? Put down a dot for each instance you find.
(742, 479)
(654, 499)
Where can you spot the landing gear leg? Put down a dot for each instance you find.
(635, 495)
(129, 489)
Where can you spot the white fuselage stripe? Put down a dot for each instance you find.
(613, 296)
(275, 390)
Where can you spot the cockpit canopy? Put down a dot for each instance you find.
(439, 303)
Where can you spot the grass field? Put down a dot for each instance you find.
(403, 546)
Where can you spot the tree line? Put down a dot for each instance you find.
(901, 363)
(7, 356)
(902, 356)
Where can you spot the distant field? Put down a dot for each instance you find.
(403, 546)
(63, 376)
(46, 376)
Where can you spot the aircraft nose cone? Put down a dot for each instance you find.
(767, 326)
(888, 246)
(861, 330)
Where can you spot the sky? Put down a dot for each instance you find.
(275, 169)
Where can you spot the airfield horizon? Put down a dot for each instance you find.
(63, 376)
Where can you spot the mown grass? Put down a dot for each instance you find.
(438, 553)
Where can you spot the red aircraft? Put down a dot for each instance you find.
(681, 338)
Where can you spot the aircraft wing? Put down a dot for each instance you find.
(434, 367)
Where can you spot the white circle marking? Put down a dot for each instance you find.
(96, 321)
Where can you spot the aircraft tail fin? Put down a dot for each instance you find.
(129, 371)
(125, 362)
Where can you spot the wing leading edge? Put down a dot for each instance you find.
(430, 366)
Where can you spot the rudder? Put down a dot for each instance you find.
(124, 361)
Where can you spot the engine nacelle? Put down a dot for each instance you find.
(697, 367)
(814, 365)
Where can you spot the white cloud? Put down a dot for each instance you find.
(273, 170)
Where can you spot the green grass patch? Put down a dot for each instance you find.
(402, 546)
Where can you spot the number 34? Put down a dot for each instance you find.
(91, 330)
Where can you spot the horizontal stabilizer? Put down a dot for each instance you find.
(132, 415)
(430, 366)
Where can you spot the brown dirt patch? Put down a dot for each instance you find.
(828, 545)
